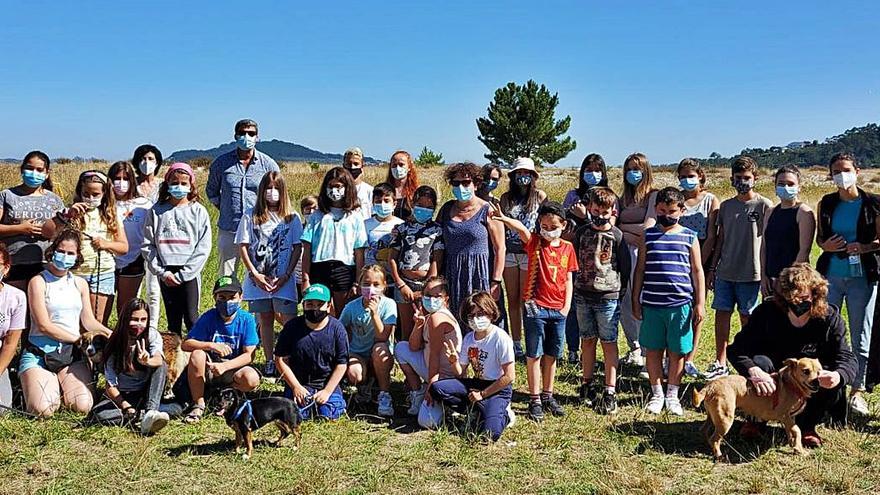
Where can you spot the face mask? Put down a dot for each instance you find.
(315, 316)
(524, 180)
(432, 304)
(801, 308)
(32, 178)
(592, 178)
(93, 202)
(227, 308)
(689, 183)
(120, 186)
(383, 210)
(245, 142)
(272, 195)
(336, 193)
(146, 167)
(666, 220)
(371, 292)
(787, 192)
(599, 221)
(479, 323)
(423, 214)
(462, 193)
(634, 177)
(491, 185)
(355, 172)
(399, 172)
(63, 261)
(178, 191)
(551, 235)
(844, 180)
(743, 186)
(136, 329)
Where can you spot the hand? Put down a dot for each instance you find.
(353, 292)
(833, 244)
(98, 243)
(698, 315)
(766, 285)
(373, 304)
(854, 248)
(419, 317)
(495, 212)
(321, 397)
(262, 282)
(280, 282)
(407, 294)
(305, 281)
(763, 382)
(142, 354)
(579, 210)
(77, 210)
(31, 227)
(221, 349)
(564, 311)
(475, 395)
(494, 290)
(710, 279)
(129, 414)
(300, 394)
(216, 369)
(169, 280)
(829, 379)
(451, 353)
(429, 400)
(637, 309)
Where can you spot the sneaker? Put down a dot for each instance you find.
(363, 395)
(153, 422)
(643, 373)
(536, 412)
(608, 404)
(415, 400)
(634, 358)
(654, 405)
(587, 394)
(690, 369)
(573, 358)
(511, 416)
(673, 405)
(716, 370)
(386, 406)
(551, 405)
(811, 440)
(858, 406)
(518, 352)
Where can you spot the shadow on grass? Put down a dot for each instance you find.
(218, 447)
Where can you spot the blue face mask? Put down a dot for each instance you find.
(524, 180)
(787, 192)
(383, 210)
(423, 214)
(432, 304)
(689, 183)
(491, 185)
(592, 178)
(634, 177)
(63, 261)
(245, 142)
(227, 308)
(178, 191)
(32, 178)
(462, 193)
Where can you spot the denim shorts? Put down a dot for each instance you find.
(273, 305)
(414, 285)
(743, 295)
(102, 283)
(667, 328)
(516, 260)
(598, 319)
(545, 333)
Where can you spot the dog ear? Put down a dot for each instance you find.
(790, 363)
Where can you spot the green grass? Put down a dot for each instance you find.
(581, 453)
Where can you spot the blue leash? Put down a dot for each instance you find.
(249, 410)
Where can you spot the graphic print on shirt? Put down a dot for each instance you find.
(269, 249)
(477, 359)
(171, 232)
(596, 254)
(416, 244)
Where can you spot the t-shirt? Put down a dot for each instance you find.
(359, 321)
(741, 250)
(239, 333)
(667, 277)
(696, 217)
(415, 244)
(270, 246)
(528, 217)
(487, 356)
(365, 198)
(335, 235)
(604, 262)
(140, 377)
(13, 306)
(95, 262)
(549, 269)
(844, 222)
(27, 249)
(132, 215)
(312, 354)
(379, 241)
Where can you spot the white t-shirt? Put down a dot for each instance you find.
(487, 356)
(270, 246)
(133, 215)
(365, 198)
(13, 305)
(379, 241)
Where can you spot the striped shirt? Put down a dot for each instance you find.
(667, 279)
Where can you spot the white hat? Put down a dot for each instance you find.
(523, 163)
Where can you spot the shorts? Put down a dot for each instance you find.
(273, 305)
(181, 390)
(545, 333)
(24, 272)
(30, 360)
(416, 359)
(334, 408)
(667, 328)
(414, 285)
(516, 260)
(336, 275)
(102, 283)
(134, 269)
(598, 319)
(743, 295)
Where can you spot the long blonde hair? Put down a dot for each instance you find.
(637, 194)
(107, 208)
(261, 208)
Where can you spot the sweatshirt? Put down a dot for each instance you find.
(177, 236)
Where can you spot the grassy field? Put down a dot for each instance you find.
(580, 453)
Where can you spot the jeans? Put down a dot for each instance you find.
(573, 330)
(492, 410)
(860, 296)
(597, 319)
(108, 413)
(544, 332)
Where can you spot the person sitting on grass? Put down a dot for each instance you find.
(222, 345)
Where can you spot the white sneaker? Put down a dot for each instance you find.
(858, 405)
(673, 405)
(643, 373)
(510, 416)
(716, 370)
(386, 406)
(634, 358)
(415, 400)
(690, 369)
(153, 422)
(655, 404)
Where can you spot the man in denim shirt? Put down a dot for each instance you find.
(233, 181)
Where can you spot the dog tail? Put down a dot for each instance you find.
(698, 397)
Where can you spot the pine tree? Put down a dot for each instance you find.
(428, 157)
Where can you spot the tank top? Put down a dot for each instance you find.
(95, 262)
(783, 240)
(667, 280)
(64, 305)
(696, 217)
(454, 337)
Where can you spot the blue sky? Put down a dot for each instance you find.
(670, 79)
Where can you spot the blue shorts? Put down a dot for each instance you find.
(743, 295)
(273, 305)
(545, 333)
(414, 285)
(102, 283)
(334, 408)
(667, 328)
(598, 319)
(30, 360)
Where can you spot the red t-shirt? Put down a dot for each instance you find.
(551, 267)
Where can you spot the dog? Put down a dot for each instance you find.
(795, 383)
(245, 416)
(92, 345)
(175, 358)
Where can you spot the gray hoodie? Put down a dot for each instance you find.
(177, 236)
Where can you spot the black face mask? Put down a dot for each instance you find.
(355, 172)
(315, 315)
(666, 221)
(600, 221)
(801, 308)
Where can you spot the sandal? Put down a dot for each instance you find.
(194, 415)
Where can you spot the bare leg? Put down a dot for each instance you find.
(722, 335)
(382, 364)
(514, 302)
(267, 334)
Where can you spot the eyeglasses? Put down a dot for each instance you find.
(465, 183)
(249, 133)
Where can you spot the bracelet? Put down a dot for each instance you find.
(495, 282)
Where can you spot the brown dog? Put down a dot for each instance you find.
(91, 345)
(795, 383)
(175, 357)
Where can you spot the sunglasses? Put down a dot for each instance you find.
(465, 183)
(249, 133)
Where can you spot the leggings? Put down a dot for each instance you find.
(181, 303)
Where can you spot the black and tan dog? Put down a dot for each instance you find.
(245, 416)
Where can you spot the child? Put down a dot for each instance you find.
(268, 237)
(307, 206)
(334, 239)
(93, 213)
(668, 297)
(604, 262)
(546, 300)
(177, 242)
(370, 321)
(379, 226)
(735, 270)
(416, 253)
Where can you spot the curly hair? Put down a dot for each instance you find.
(801, 277)
(471, 170)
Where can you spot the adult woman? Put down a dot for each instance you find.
(520, 202)
(12, 315)
(468, 238)
(59, 306)
(798, 323)
(23, 210)
(147, 159)
(847, 233)
(403, 176)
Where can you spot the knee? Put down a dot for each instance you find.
(248, 380)
(42, 408)
(197, 360)
(764, 362)
(355, 374)
(82, 403)
(381, 353)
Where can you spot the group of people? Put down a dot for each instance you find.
(388, 273)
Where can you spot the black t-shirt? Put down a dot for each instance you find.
(312, 354)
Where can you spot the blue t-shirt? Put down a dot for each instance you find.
(843, 223)
(358, 320)
(239, 333)
(312, 354)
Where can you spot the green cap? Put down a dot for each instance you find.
(227, 284)
(317, 292)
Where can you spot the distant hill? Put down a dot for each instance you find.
(278, 150)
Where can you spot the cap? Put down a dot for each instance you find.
(524, 164)
(317, 292)
(227, 284)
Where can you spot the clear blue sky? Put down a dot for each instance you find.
(670, 79)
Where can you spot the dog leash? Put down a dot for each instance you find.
(248, 409)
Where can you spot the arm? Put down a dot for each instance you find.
(569, 292)
(245, 358)
(766, 290)
(650, 213)
(119, 245)
(306, 263)
(504, 380)
(383, 330)
(806, 231)
(516, 226)
(10, 347)
(748, 343)
(711, 231)
(299, 392)
(37, 306)
(436, 259)
(496, 236)
(87, 316)
(416, 342)
(638, 281)
(435, 336)
(148, 249)
(624, 266)
(335, 378)
(828, 241)
(699, 282)
(212, 188)
(840, 357)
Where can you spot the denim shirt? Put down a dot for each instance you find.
(233, 189)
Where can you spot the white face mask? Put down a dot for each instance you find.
(146, 167)
(479, 323)
(844, 180)
(93, 202)
(272, 195)
(551, 235)
(336, 193)
(120, 186)
(399, 172)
